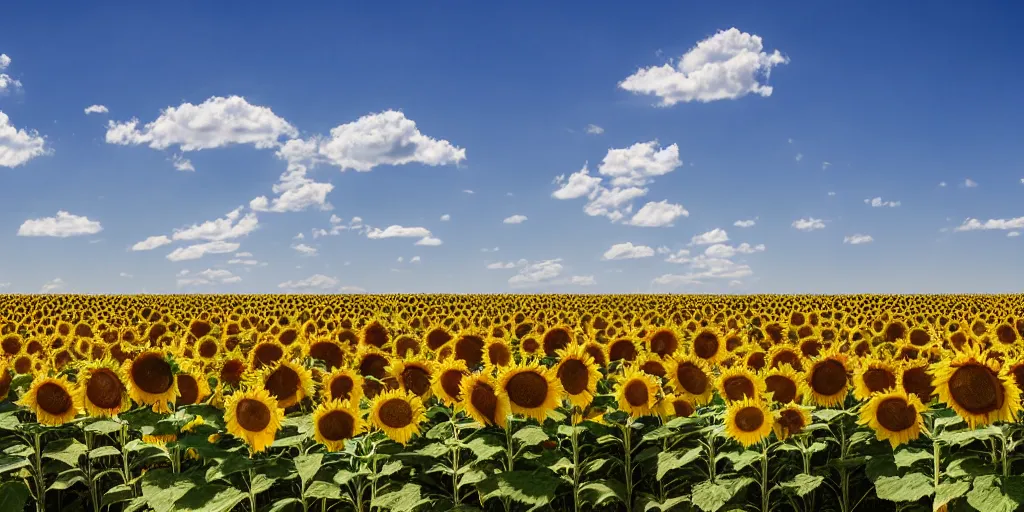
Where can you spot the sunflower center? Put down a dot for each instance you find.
(152, 374)
(104, 389)
(692, 379)
(749, 419)
(23, 365)
(288, 336)
(470, 349)
(682, 407)
(188, 390)
(527, 389)
(622, 349)
(555, 340)
(232, 372)
(653, 368)
(879, 379)
(574, 376)
(5, 383)
(738, 388)
(283, 383)
(53, 398)
(787, 357)
(416, 380)
(896, 415)
(330, 353)
(407, 344)
(595, 351)
(11, 345)
(451, 383)
(705, 345)
(267, 354)
(485, 401)
(919, 337)
(664, 343)
(810, 348)
(783, 388)
(636, 393)
(375, 335)
(917, 381)
(499, 354)
(791, 421)
(208, 348)
(395, 413)
(252, 415)
(437, 338)
(1017, 372)
(1006, 334)
(976, 389)
(755, 361)
(341, 387)
(336, 426)
(828, 377)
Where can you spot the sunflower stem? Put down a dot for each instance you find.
(1005, 458)
(627, 431)
(37, 458)
(455, 460)
(574, 439)
(764, 476)
(252, 495)
(93, 491)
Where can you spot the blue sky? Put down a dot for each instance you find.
(362, 126)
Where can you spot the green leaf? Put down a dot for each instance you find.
(344, 476)
(910, 487)
(210, 498)
(949, 491)
(67, 479)
(668, 504)
(433, 450)
(965, 437)
(827, 415)
(597, 493)
(948, 421)
(440, 431)
(667, 461)
(283, 504)
(993, 494)
(484, 447)
(527, 487)
(116, 494)
(228, 466)
(803, 484)
(908, 456)
(161, 488)
(8, 421)
(104, 451)
(389, 469)
(709, 496)
(743, 459)
(405, 499)
(307, 466)
(860, 436)
(66, 450)
(13, 495)
(103, 427)
(968, 467)
(319, 489)
(530, 436)
(11, 463)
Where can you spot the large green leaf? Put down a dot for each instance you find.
(116, 494)
(307, 466)
(319, 489)
(530, 436)
(970, 466)
(11, 463)
(403, 500)
(104, 451)
(103, 427)
(228, 466)
(67, 479)
(949, 491)
(9, 421)
(528, 487)
(667, 505)
(210, 498)
(598, 492)
(743, 459)
(908, 456)
(13, 495)
(803, 484)
(66, 450)
(284, 504)
(484, 447)
(667, 461)
(994, 494)
(965, 437)
(910, 487)
(433, 450)
(710, 496)
(161, 488)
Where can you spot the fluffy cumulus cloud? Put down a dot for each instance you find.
(63, 225)
(500, 265)
(727, 251)
(314, 282)
(208, 277)
(196, 251)
(8, 84)
(18, 146)
(658, 214)
(715, 236)
(53, 285)
(858, 239)
(396, 231)
(446, 218)
(749, 223)
(151, 243)
(578, 184)
(515, 219)
(233, 225)
(969, 183)
(182, 164)
(305, 250)
(386, 138)
(704, 268)
(594, 129)
(728, 65)
(546, 273)
(636, 165)
(991, 224)
(809, 224)
(877, 202)
(626, 251)
(214, 123)
(96, 109)
(295, 190)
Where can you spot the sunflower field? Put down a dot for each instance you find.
(511, 402)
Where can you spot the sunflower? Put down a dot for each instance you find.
(578, 375)
(785, 354)
(231, 369)
(497, 353)
(637, 393)
(915, 378)
(342, 384)
(469, 347)
(894, 415)
(691, 379)
(482, 401)
(828, 379)
(755, 359)
(398, 413)
(738, 383)
(334, 422)
(150, 380)
(532, 390)
(193, 387)
(556, 338)
(372, 362)
(207, 348)
(53, 400)
(529, 346)
(327, 350)
(1015, 368)
(662, 341)
(976, 389)
(375, 334)
(5, 380)
(406, 345)
(873, 376)
(785, 384)
(286, 380)
(651, 364)
(673, 406)
(708, 344)
(447, 381)
(266, 353)
(100, 389)
(254, 417)
(748, 421)
(790, 420)
(413, 375)
(625, 348)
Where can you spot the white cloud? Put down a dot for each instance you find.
(942, 183)
(96, 109)
(879, 203)
(582, 280)
(809, 224)
(4, 61)
(468, 191)
(194, 252)
(296, 192)
(614, 203)
(594, 129)
(217, 122)
(7, 83)
(505, 266)
(52, 286)
(151, 243)
(414, 259)
(825, 165)
(579, 184)
(243, 255)
(703, 268)
(335, 219)
(547, 272)
(799, 157)
(395, 230)
(680, 256)
(401, 259)
(5, 285)
(831, 194)
(429, 241)
(969, 183)
(208, 277)
(744, 223)
(240, 261)
(386, 138)
(715, 236)
(233, 225)
(126, 275)
(725, 66)
(658, 214)
(316, 281)
(858, 239)
(19, 146)
(1013, 234)
(61, 226)
(636, 165)
(182, 164)
(515, 219)
(305, 249)
(724, 251)
(446, 218)
(627, 251)
(1004, 224)
(496, 249)
(299, 236)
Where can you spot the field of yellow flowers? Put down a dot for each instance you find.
(511, 402)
